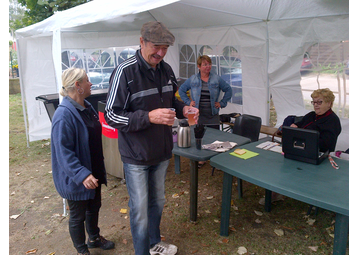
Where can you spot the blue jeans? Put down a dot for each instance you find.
(146, 188)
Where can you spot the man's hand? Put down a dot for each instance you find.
(162, 116)
(90, 182)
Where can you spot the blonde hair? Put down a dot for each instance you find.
(327, 95)
(69, 78)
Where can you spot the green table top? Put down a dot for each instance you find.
(319, 185)
(211, 135)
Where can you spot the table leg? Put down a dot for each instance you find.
(193, 190)
(226, 205)
(239, 187)
(340, 234)
(177, 164)
(268, 200)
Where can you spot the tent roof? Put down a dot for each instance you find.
(100, 15)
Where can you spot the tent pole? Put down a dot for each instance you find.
(268, 80)
(56, 56)
(22, 89)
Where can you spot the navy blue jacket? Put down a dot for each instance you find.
(70, 152)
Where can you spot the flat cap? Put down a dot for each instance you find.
(156, 33)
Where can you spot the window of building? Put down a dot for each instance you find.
(98, 63)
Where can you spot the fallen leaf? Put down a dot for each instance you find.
(216, 221)
(52, 253)
(279, 232)
(48, 232)
(14, 217)
(225, 240)
(193, 252)
(232, 229)
(242, 250)
(331, 235)
(205, 245)
(313, 248)
(125, 241)
(311, 221)
(33, 251)
(46, 197)
(235, 208)
(258, 213)
(210, 197)
(258, 221)
(124, 211)
(287, 228)
(175, 195)
(207, 211)
(45, 144)
(12, 193)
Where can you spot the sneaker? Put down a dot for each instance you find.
(100, 242)
(163, 248)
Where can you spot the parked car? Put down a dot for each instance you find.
(306, 65)
(100, 78)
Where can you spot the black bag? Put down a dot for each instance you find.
(286, 123)
(227, 117)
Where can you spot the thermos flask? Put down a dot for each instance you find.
(184, 134)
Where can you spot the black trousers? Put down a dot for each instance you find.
(83, 213)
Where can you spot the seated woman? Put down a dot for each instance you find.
(322, 119)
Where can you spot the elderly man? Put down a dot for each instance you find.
(140, 103)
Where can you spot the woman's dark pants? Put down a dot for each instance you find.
(81, 213)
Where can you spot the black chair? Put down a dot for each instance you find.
(248, 126)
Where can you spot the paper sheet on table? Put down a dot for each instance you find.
(247, 155)
(219, 146)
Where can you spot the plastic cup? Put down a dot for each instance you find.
(191, 120)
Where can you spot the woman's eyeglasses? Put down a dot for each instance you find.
(316, 102)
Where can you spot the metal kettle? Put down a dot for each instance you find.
(184, 139)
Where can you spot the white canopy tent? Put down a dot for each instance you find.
(273, 36)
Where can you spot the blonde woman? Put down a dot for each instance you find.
(322, 119)
(77, 160)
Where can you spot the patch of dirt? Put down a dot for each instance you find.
(41, 225)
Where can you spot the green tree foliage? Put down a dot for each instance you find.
(38, 10)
